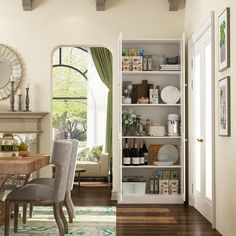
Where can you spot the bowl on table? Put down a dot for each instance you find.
(24, 153)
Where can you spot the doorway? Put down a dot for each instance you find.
(201, 119)
(80, 107)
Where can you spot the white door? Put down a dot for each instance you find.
(201, 120)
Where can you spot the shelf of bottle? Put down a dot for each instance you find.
(143, 73)
(152, 167)
(151, 105)
(152, 199)
(153, 137)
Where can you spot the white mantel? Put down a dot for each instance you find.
(27, 123)
(22, 123)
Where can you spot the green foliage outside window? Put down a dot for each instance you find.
(70, 115)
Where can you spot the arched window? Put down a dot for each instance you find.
(70, 67)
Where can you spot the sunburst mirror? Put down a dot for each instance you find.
(10, 65)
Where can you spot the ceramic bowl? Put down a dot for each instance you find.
(24, 153)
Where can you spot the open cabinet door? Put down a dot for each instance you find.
(183, 135)
(119, 131)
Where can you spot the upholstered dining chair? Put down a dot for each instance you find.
(44, 194)
(70, 181)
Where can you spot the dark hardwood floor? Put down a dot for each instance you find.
(132, 220)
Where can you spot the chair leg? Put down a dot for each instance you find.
(7, 218)
(56, 211)
(63, 219)
(24, 213)
(16, 215)
(31, 210)
(69, 206)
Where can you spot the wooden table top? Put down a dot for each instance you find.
(22, 165)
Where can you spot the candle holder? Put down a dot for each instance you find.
(19, 102)
(27, 100)
(12, 97)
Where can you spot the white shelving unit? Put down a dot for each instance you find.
(157, 113)
(152, 167)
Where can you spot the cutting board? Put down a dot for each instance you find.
(153, 153)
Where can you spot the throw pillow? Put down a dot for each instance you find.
(90, 154)
(83, 154)
(95, 153)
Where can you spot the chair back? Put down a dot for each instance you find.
(61, 155)
(71, 174)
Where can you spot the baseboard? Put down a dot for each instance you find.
(114, 196)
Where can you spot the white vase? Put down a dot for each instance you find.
(126, 100)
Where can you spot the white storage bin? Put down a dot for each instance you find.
(134, 188)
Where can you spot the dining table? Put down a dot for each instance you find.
(25, 166)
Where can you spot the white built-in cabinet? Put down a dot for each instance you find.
(155, 112)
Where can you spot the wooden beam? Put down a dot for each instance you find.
(173, 5)
(100, 5)
(27, 5)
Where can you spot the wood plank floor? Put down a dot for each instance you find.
(160, 220)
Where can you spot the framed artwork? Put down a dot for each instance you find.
(224, 106)
(224, 40)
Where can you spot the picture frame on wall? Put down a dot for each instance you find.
(224, 40)
(224, 106)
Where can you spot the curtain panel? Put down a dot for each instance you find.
(102, 59)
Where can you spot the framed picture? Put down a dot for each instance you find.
(224, 106)
(224, 39)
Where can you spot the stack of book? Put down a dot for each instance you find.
(170, 67)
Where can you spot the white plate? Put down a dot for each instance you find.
(163, 163)
(168, 153)
(170, 95)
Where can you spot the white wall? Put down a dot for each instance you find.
(75, 22)
(225, 148)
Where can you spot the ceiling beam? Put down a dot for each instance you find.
(100, 5)
(173, 5)
(27, 5)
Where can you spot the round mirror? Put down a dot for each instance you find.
(9, 66)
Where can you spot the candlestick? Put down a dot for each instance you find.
(12, 98)
(12, 79)
(19, 102)
(27, 85)
(27, 100)
(19, 91)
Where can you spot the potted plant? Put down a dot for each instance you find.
(130, 122)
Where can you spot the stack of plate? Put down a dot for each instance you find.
(167, 155)
(170, 95)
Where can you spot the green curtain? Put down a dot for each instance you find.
(102, 59)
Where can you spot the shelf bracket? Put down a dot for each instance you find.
(100, 5)
(27, 5)
(173, 5)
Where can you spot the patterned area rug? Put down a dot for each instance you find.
(89, 221)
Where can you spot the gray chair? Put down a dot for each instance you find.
(50, 181)
(44, 194)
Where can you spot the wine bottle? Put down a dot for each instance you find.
(135, 155)
(145, 152)
(126, 155)
(141, 156)
(151, 184)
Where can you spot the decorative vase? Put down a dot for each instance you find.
(126, 100)
(130, 131)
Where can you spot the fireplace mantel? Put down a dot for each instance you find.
(21, 122)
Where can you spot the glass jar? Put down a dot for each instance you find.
(8, 143)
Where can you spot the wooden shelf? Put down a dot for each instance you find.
(152, 167)
(156, 73)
